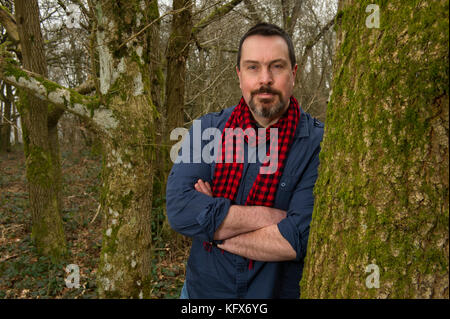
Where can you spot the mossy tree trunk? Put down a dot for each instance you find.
(122, 114)
(129, 153)
(42, 167)
(382, 196)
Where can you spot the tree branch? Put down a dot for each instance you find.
(215, 15)
(86, 87)
(294, 17)
(86, 107)
(254, 15)
(314, 41)
(9, 23)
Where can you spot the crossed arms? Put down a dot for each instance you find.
(251, 231)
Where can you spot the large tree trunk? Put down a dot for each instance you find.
(382, 196)
(47, 229)
(125, 87)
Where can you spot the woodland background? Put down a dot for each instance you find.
(83, 167)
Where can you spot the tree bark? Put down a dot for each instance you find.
(5, 132)
(290, 17)
(47, 229)
(177, 54)
(16, 124)
(129, 151)
(382, 195)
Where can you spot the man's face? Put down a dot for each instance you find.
(266, 76)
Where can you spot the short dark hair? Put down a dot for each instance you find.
(267, 29)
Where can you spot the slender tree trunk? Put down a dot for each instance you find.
(125, 86)
(382, 196)
(53, 142)
(176, 57)
(47, 229)
(177, 54)
(157, 94)
(16, 123)
(5, 138)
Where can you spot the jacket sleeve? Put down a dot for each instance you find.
(295, 227)
(190, 212)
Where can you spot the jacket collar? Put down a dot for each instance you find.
(302, 126)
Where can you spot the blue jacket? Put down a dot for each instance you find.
(212, 273)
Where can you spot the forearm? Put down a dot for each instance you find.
(244, 219)
(265, 244)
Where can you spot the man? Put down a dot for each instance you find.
(250, 226)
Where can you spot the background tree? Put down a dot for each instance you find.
(124, 121)
(40, 139)
(382, 196)
(6, 123)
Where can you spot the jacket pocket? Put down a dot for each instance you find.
(286, 187)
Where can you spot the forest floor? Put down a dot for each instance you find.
(25, 274)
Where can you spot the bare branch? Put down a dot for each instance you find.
(9, 23)
(294, 17)
(149, 25)
(254, 15)
(314, 41)
(215, 15)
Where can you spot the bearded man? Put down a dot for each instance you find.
(250, 224)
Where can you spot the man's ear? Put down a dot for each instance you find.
(294, 71)
(238, 72)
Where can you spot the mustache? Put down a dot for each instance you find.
(265, 89)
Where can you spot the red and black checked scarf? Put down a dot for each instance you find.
(227, 176)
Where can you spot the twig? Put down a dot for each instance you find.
(8, 258)
(98, 211)
(10, 122)
(150, 24)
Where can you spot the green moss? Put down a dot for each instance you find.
(381, 75)
(38, 166)
(153, 10)
(126, 200)
(11, 70)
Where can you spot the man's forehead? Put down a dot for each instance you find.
(259, 45)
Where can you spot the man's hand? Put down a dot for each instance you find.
(203, 187)
(264, 244)
(251, 231)
(242, 219)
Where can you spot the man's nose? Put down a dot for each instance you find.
(265, 76)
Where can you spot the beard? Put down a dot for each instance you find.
(267, 108)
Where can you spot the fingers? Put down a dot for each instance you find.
(203, 187)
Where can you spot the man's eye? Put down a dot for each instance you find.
(278, 66)
(251, 67)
